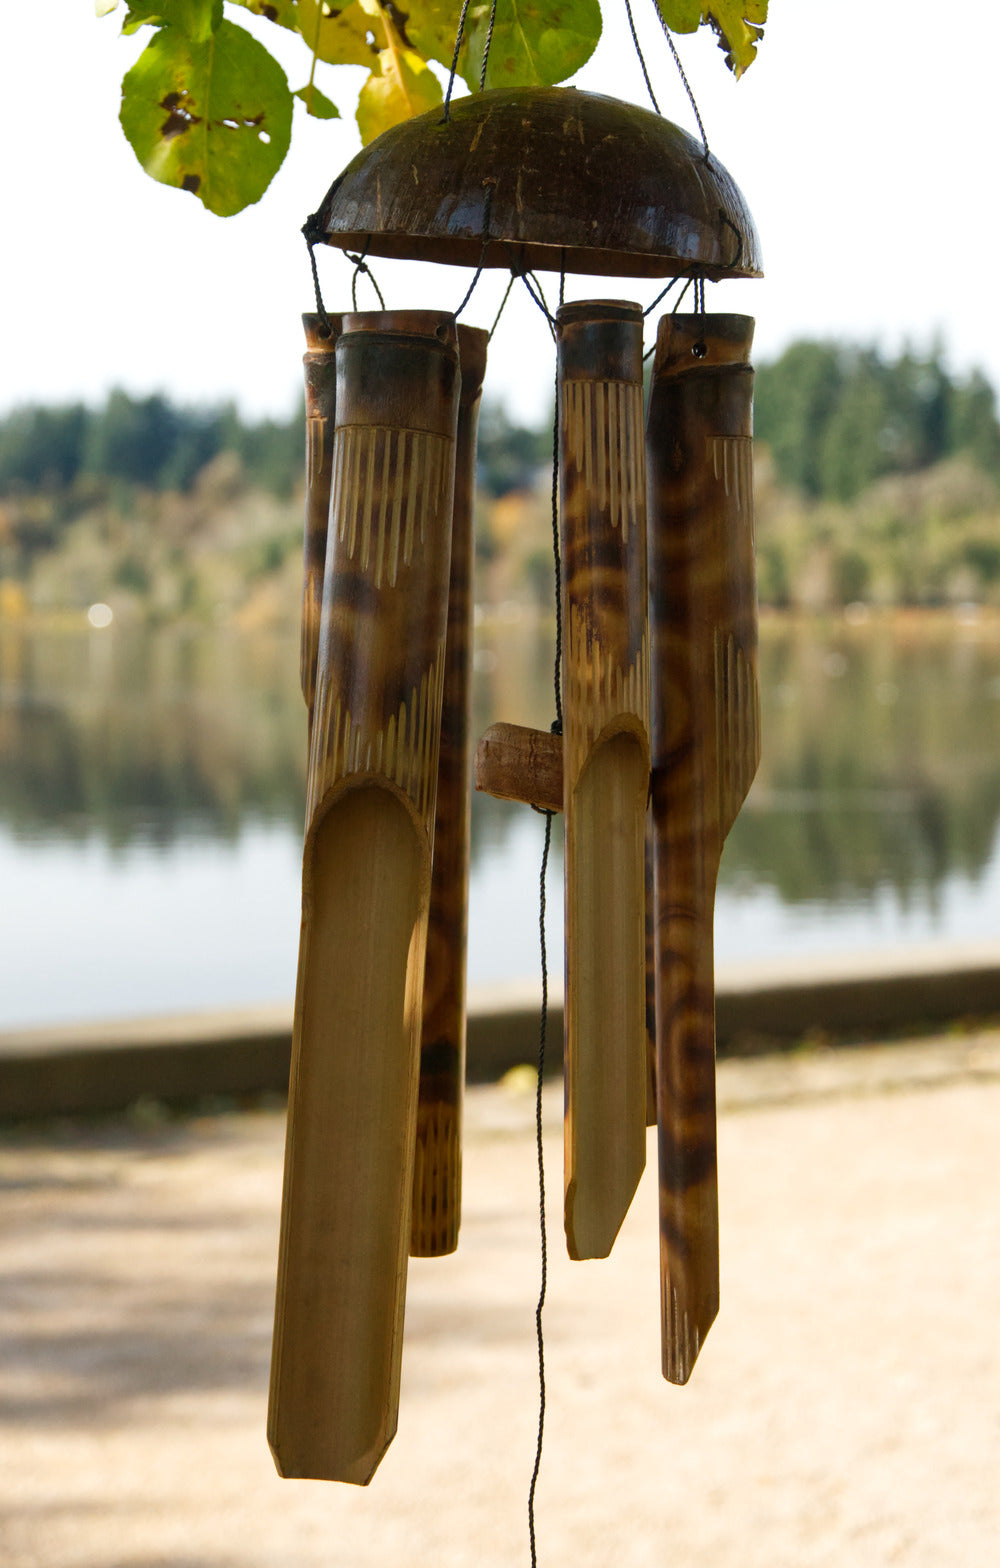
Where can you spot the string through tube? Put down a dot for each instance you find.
(683, 75)
(638, 50)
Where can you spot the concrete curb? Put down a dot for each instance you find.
(100, 1067)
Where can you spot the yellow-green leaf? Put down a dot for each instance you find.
(341, 35)
(739, 24)
(429, 27)
(317, 103)
(213, 118)
(196, 19)
(535, 42)
(401, 86)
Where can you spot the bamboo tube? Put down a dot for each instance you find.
(372, 781)
(437, 1176)
(320, 366)
(706, 740)
(606, 764)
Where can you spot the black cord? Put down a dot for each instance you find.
(683, 75)
(308, 229)
(539, 1336)
(360, 265)
(638, 50)
(487, 45)
(454, 62)
(557, 729)
(503, 303)
(487, 204)
(662, 295)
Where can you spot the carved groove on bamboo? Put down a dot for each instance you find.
(382, 524)
(405, 750)
(593, 412)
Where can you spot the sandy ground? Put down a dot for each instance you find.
(845, 1411)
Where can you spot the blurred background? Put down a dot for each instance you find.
(152, 788)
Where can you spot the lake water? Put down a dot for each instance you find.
(152, 794)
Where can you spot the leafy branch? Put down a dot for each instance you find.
(207, 108)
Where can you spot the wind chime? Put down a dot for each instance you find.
(659, 735)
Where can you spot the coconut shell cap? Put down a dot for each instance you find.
(543, 178)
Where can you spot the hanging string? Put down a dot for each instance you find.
(723, 218)
(677, 301)
(503, 303)
(487, 45)
(638, 50)
(537, 295)
(683, 75)
(454, 62)
(310, 230)
(453, 70)
(662, 295)
(487, 204)
(557, 729)
(539, 1335)
(360, 265)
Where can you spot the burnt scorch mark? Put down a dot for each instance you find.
(180, 117)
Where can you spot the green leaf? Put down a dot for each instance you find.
(214, 118)
(196, 19)
(535, 42)
(283, 13)
(401, 86)
(738, 23)
(317, 103)
(344, 36)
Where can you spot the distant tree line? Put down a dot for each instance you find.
(151, 442)
(837, 418)
(147, 441)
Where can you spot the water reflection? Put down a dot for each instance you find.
(881, 762)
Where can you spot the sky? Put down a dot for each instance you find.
(863, 138)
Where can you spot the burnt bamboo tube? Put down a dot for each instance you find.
(437, 1175)
(606, 764)
(320, 365)
(706, 744)
(371, 787)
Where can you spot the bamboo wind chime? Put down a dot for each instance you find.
(659, 738)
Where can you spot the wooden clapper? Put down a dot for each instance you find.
(660, 731)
